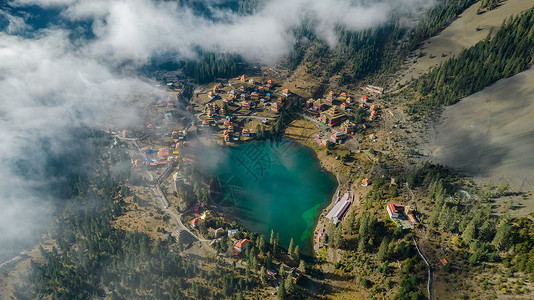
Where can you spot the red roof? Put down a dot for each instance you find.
(242, 243)
(395, 208)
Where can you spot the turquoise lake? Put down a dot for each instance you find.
(273, 185)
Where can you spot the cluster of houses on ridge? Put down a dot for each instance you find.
(330, 112)
(243, 99)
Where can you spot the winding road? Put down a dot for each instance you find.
(175, 216)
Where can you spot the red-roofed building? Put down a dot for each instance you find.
(276, 106)
(395, 210)
(240, 246)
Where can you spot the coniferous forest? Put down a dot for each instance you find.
(503, 54)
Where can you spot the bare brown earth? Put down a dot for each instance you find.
(490, 135)
(464, 32)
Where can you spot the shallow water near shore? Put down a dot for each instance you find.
(273, 185)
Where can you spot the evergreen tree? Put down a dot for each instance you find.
(281, 293)
(383, 250)
(290, 248)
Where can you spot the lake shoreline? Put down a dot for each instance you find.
(302, 131)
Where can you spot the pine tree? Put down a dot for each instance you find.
(296, 253)
(289, 285)
(290, 248)
(281, 293)
(302, 266)
(383, 250)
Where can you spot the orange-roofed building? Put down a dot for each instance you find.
(395, 210)
(364, 99)
(245, 132)
(240, 246)
(245, 104)
(374, 107)
(286, 92)
(243, 77)
(331, 93)
(412, 219)
(443, 261)
(366, 182)
(344, 105)
(343, 95)
(276, 106)
(349, 100)
(372, 136)
(150, 126)
(194, 222)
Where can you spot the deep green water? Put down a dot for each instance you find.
(278, 186)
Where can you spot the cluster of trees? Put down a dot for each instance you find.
(209, 66)
(508, 52)
(488, 5)
(484, 235)
(359, 54)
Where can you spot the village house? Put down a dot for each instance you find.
(344, 106)
(395, 210)
(232, 232)
(318, 105)
(254, 96)
(412, 219)
(276, 106)
(240, 246)
(296, 274)
(245, 133)
(338, 137)
(217, 231)
(332, 116)
(366, 182)
(286, 92)
(349, 100)
(372, 137)
(309, 103)
(194, 222)
(243, 78)
(347, 127)
(343, 96)
(374, 89)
